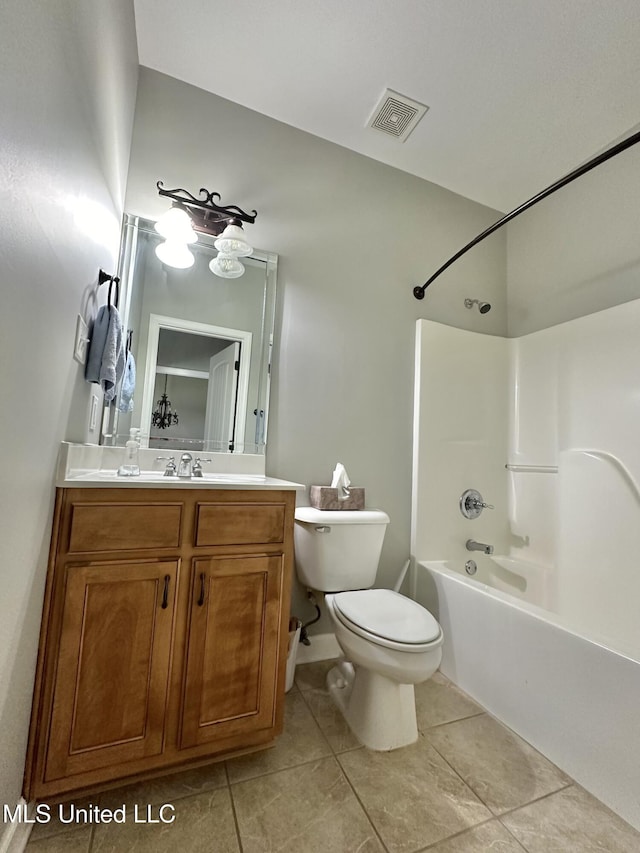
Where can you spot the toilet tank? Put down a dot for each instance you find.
(340, 550)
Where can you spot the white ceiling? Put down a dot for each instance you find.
(520, 91)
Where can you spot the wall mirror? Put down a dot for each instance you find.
(202, 348)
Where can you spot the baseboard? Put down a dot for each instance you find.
(15, 836)
(323, 647)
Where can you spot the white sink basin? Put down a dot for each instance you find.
(230, 478)
(158, 476)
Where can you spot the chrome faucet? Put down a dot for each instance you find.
(170, 470)
(472, 545)
(196, 471)
(184, 469)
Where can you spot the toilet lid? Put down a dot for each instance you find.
(387, 614)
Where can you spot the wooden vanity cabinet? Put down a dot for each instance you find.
(164, 633)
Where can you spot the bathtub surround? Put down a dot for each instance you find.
(578, 397)
(563, 534)
(459, 439)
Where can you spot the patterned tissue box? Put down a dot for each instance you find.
(324, 497)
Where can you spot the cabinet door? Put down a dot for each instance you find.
(232, 656)
(112, 667)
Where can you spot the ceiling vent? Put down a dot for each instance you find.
(396, 115)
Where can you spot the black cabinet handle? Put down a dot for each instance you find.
(165, 594)
(201, 599)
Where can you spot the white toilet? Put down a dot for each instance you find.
(390, 642)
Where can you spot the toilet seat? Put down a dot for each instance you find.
(387, 619)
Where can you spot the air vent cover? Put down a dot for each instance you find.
(396, 115)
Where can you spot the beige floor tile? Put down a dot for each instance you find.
(411, 796)
(571, 821)
(74, 841)
(491, 837)
(166, 789)
(301, 741)
(203, 823)
(66, 811)
(333, 725)
(313, 675)
(303, 810)
(439, 701)
(503, 770)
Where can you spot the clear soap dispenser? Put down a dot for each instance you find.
(131, 466)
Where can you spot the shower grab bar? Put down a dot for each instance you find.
(532, 469)
(617, 464)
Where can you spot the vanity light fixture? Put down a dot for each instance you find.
(226, 266)
(189, 215)
(176, 225)
(232, 242)
(173, 253)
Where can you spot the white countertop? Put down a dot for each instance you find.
(93, 466)
(156, 480)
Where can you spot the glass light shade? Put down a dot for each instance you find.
(175, 254)
(232, 242)
(176, 225)
(226, 266)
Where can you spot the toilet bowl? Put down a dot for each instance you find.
(389, 641)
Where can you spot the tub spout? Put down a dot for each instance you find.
(472, 545)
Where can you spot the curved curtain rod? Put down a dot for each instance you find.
(419, 290)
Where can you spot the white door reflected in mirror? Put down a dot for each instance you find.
(181, 349)
(223, 413)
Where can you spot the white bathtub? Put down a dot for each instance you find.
(528, 582)
(575, 700)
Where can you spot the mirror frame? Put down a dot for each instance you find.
(131, 225)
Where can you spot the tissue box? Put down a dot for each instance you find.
(324, 497)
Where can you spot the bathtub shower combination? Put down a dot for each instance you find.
(545, 631)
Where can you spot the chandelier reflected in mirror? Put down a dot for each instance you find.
(163, 416)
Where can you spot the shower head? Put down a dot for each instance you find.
(483, 307)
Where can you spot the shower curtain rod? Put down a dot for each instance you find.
(419, 290)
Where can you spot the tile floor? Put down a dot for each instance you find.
(468, 785)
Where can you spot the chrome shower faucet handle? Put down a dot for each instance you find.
(472, 504)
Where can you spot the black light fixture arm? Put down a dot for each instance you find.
(419, 290)
(207, 203)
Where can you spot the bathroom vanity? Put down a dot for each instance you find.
(165, 628)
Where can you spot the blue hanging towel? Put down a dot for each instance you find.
(125, 403)
(105, 362)
(97, 339)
